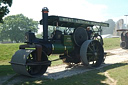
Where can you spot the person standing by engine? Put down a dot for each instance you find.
(89, 32)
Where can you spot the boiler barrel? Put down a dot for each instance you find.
(60, 48)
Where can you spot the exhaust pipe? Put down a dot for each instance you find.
(45, 23)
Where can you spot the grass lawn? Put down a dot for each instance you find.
(111, 43)
(119, 72)
(87, 78)
(95, 77)
(7, 51)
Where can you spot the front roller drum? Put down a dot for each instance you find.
(24, 62)
(92, 53)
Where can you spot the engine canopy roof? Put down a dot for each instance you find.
(73, 22)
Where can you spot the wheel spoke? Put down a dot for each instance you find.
(90, 54)
(90, 49)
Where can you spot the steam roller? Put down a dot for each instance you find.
(68, 39)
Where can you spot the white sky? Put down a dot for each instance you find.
(82, 9)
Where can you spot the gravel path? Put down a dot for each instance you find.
(56, 72)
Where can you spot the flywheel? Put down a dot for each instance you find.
(79, 36)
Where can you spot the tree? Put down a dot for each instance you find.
(15, 26)
(4, 8)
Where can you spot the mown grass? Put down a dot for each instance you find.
(119, 72)
(54, 63)
(87, 78)
(94, 77)
(111, 43)
(7, 51)
(6, 70)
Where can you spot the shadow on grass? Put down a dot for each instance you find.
(91, 77)
(112, 66)
(6, 70)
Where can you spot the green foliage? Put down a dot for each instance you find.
(15, 26)
(4, 8)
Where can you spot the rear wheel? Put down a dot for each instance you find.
(92, 53)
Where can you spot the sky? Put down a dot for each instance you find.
(94, 10)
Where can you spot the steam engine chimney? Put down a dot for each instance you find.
(45, 23)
